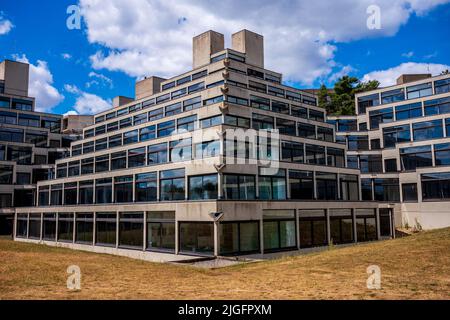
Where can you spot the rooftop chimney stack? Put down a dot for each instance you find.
(406, 78)
(15, 74)
(250, 43)
(204, 45)
(148, 87)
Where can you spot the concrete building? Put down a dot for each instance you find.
(221, 160)
(30, 143)
(400, 140)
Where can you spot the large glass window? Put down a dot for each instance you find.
(419, 91)
(203, 187)
(326, 186)
(385, 223)
(356, 143)
(172, 185)
(130, 137)
(335, 157)
(261, 122)
(56, 195)
(301, 184)
(408, 111)
(118, 160)
(435, 186)
(366, 225)
(103, 190)
(180, 150)
(87, 166)
(21, 155)
(12, 135)
(161, 230)
(416, 157)
(70, 193)
(74, 169)
(105, 226)
(34, 227)
(146, 187)
(313, 228)
(197, 237)
(286, 127)
(86, 192)
(315, 154)
(136, 157)
(380, 116)
(131, 230)
(239, 237)
(22, 225)
(437, 106)
(386, 189)
(65, 227)
(292, 152)
(428, 130)
(442, 154)
(123, 189)
(49, 227)
(239, 187)
(349, 187)
(325, 134)
(280, 232)
(442, 86)
(306, 130)
(147, 133)
(44, 195)
(393, 96)
(102, 163)
(409, 191)
(260, 102)
(207, 149)
(368, 101)
(371, 163)
(397, 134)
(341, 226)
(84, 228)
(157, 154)
(272, 187)
(166, 128)
(193, 103)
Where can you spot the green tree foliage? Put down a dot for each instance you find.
(342, 100)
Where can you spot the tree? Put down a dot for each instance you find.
(324, 97)
(343, 97)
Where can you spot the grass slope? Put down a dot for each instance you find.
(415, 267)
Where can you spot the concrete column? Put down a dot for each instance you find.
(14, 226)
(216, 238)
(220, 185)
(74, 226)
(327, 214)
(297, 227)
(144, 243)
(117, 229)
(177, 237)
(42, 227)
(28, 225)
(355, 234)
(261, 234)
(377, 218)
(57, 227)
(94, 228)
(338, 182)
(288, 190)
(315, 184)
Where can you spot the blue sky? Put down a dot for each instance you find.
(123, 40)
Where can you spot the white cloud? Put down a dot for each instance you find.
(431, 55)
(409, 54)
(86, 103)
(388, 77)
(99, 79)
(345, 71)
(41, 85)
(66, 56)
(5, 25)
(142, 37)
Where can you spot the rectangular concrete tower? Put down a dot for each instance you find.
(250, 43)
(204, 45)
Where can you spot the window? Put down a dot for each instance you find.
(157, 154)
(294, 96)
(280, 107)
(349, 187)
(409, 191)
(88, 147)
(56, 195)
(390, 165)
(442, 154)
(23, 178)
(113, 126)
(22, 225)
(309, 100)
(6, 200)
(34, 226)
(161, 230)
(366, 225)
(207, 149)
(44, 196)
(335, 157)
(386, 189)
(21, 155)
(255, 73)
(196, 87)
(292, 152)
(356, 143)
(306, 131)
(8, 117)
(272, 187)
(213, 100)
(313, 228)
(366, 189)
(397, 134)
(187, 123)
(257, 86)
(100, 119)
(315, 154)
(371, 163)
(435, 186)
(86, 192)
(20, 104)
(103, 190)
(105, 225)
(325, 134)
(180, 150)
(118, 160)
(367, 102)
(146, 187)
(110, 115)
(172, 185)
(173, 109)
(148, 103)
(199, 75)
(419, 91)
(156, 114)
(203, 187)
(237, 100)
(236, 121)
(341, 226)
(163, 98)
(408, 111)
(326, 186)
(183, 80)
(447, 127)
(428, 130)
(123, 189)
(239, 237)
(29, 120)
(239, 187)
(261, 122)
(147, 133)
(130, 137)
(344, 125)
(70, 193)
(375, 144)
(84, 226)
(125, 123)
(301, 184)
(136, 157)
(211, 122)
(87, 166)
(300, 112)
(65, 227)
(61, 170)
(437, 106)
(279, 229)
(168, 85)
(11, 135)
(192, 104)
(259, 102)
(197, 237)
(393, 96)
(102, 163)
(100, 130)
(131, 230)
(166, 128)
(140, 119)
(274, 91)
(385, 223)
(380, 116)
(49, 226)
(286, 126)
(442, 86)
(101, 144)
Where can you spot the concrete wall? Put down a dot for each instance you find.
(204, 45)
(16, 75)
(250, 43)
(148, 87)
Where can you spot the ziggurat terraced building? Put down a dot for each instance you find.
(163, 173)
